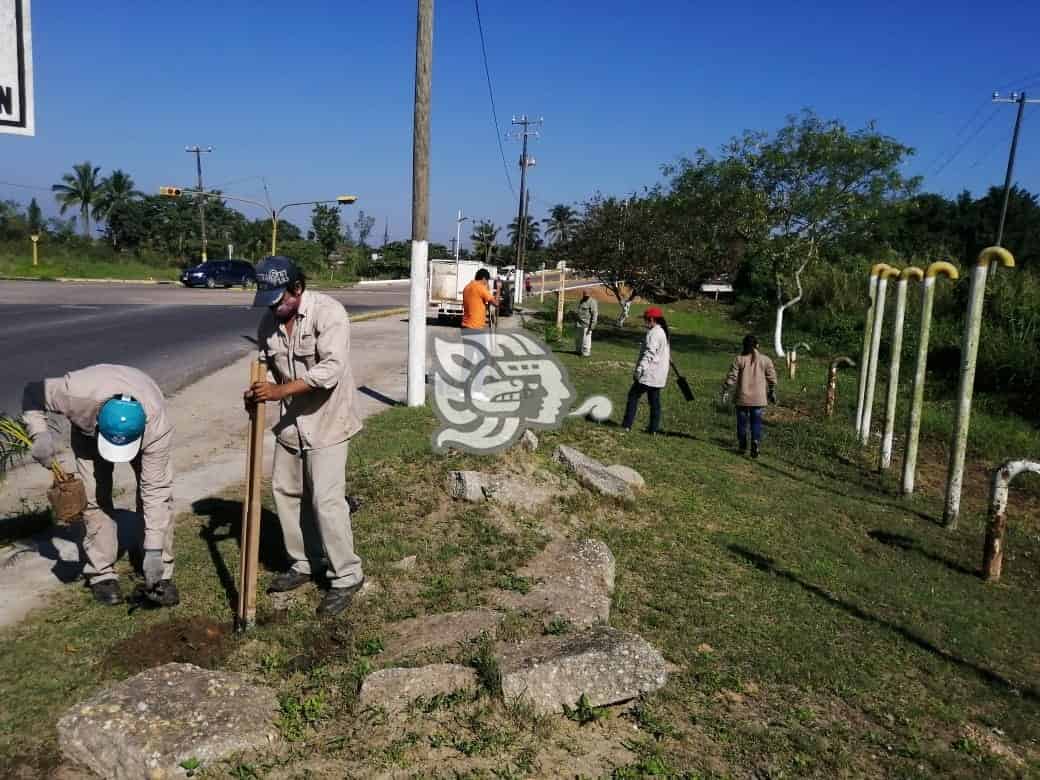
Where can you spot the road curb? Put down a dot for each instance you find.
(375, 315)
(81, 280)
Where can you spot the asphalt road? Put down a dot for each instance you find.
(175, 335)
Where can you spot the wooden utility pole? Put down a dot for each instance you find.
(1019, 98)
(197, 151)
(249, 553)
(528, 127)
(420, 205)
(559, 300)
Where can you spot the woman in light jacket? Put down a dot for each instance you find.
(651, 372)
(754, 376)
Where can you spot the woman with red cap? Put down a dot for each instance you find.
(651, 372)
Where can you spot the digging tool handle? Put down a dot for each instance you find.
(250, 540)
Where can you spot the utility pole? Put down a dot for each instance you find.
(420, 205)
(1019, 98)
(528, 127)
(197, 151)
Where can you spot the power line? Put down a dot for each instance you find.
(963, 128)
(967, 141)
(491, 94)
(25, 186)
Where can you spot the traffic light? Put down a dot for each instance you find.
(170, 192)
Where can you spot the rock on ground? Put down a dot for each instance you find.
(435, 632)
(592, 474)
(395, 689)
(466, 486)
(570, 580)
(629, 475)
(529, 441)
(607, 665)
(148, 725)
(517, 492)
(406, 564)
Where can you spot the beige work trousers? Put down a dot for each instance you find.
(583, 340)
(100, 542)
(310, 493)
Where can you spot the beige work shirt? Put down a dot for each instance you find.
(753, 375)
(79, 395)
(319, 354)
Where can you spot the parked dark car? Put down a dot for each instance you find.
(220, 273)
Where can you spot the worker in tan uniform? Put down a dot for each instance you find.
(118, 415)
(304, 340)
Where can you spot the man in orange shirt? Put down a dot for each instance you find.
(475, 297)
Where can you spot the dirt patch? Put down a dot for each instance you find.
(198, 641)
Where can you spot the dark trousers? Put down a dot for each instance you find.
(746, 415)
(653, 395)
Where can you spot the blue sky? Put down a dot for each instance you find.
(316, 96)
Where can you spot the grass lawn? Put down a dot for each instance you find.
(821, 626)
(78, 268)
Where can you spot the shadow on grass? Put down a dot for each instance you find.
(762, 563)
(909, 544)
(225, 522)
(859, 495)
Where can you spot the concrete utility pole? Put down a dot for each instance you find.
(1019, 98)
(528, 127)
(197, 151)
(420, 205)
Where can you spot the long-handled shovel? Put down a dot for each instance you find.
(249, 563)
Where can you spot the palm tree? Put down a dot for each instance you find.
(80, 190)
(114, 191)
(532, 235)
(484, 237)
(559, 225)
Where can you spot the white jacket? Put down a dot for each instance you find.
(654, 359)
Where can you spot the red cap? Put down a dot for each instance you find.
(654, 312)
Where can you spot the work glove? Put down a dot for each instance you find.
(153, 568)
(771, 394)
(43, 451)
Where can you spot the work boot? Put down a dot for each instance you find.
(165, 594)
(290, 580)
(754, 449)
(338, 599)
(107, 592)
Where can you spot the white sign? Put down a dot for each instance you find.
(16, 82)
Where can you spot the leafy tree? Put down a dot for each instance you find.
(112, 203)
(532, 237)
(79, 189)
(821, 183)
(34, 217)
(325, 221)
(363, 225)
(484, 236)
(559, 225)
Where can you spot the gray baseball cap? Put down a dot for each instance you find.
(273, 276)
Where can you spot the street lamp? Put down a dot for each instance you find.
(274, 213)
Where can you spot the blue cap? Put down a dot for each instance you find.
(273, 276)
(120, 426)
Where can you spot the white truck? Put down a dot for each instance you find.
(445, 281)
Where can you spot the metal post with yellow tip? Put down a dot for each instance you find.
(966, 385)
(868, 329)
(913, 432)
(888, 272)
(907, 274)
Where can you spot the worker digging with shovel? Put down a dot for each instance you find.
(304, 340)
(118, 415)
